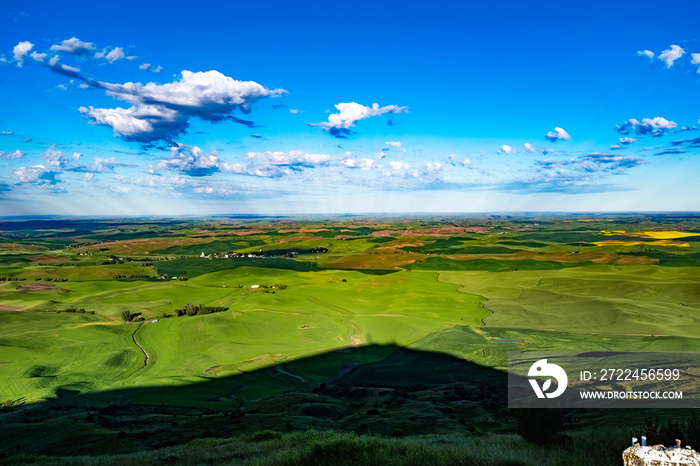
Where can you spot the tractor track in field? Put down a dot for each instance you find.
(143, 350)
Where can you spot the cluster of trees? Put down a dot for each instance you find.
(6, 278)
(52, 279)
(198, 309)
(146, 259)
(133, 275)
(127, 316)
(84, 243)
(77, 311)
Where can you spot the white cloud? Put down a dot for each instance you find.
(657, 126)
(6, 133)
(115, 54)
(433, 167)
(583, 167)
(142, 122)
(393, 144)
(557, 134)
(362, 164)
(402, 174)
(292, 158)
(72, 69)
(277, 164)
(399, 165)
(151, 68)
(163, 111)
(215, 190)
(27, 174)
(507, 149)
(646, 53)
(627, 140)
(54, 158)
(11, 155)
(695, 59)
(74, 46)
(339, 124)
(21, 51)
(103, 165)
(88, 176)
(62, 87)
(294, 111)
(40, 57)
(155, 181)
(671, 55)
(191, 160)
(462, 162)
(83, 86)
(529, 147)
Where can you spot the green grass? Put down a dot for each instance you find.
(597, 299)
(670, 259)
(359, 327)
(488, 265)
(199, 266)
(46, 352)
(272, 448)
(317, 312)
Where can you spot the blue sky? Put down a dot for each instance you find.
(148, 108)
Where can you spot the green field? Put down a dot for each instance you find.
(423, 303)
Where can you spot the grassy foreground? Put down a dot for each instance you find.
(271, 448)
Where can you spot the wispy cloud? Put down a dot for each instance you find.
(277, 164)
(11, 155)
(151, 68)
(74, 46)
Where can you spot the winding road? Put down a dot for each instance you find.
(143, 350)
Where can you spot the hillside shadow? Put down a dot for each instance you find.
(388, 390)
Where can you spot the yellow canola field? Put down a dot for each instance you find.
(662, 242)
(652, 234)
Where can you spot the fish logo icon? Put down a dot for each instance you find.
(542, 368)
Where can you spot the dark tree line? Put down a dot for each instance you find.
(198, 309)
